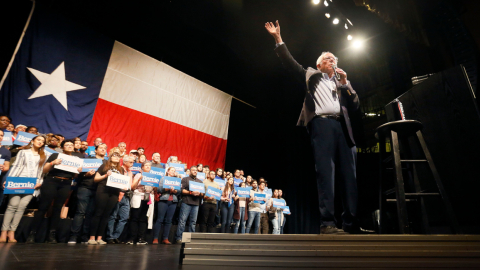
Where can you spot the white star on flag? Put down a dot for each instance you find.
(54, 84)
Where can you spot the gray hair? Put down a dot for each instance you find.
(126, 158)
(121, 143)
(320, 59)
(146, 162)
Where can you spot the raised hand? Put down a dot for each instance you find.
(274, 30)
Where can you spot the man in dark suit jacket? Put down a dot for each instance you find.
(328, 101)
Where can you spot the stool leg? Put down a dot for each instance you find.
(399, 187)
(423, 209)
(448, 206)
(382, 152)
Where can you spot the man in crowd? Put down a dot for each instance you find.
(263, 210)
(237, 178)
(141, 151)
(97, 141)
(18, 128)
(209, 206)
(190, 205)
(156, 160)
(123, 148)
(83, 149)
(86, 200)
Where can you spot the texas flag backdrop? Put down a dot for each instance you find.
(68, 79)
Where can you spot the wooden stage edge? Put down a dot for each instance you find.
(330, 251)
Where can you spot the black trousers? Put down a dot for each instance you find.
(264, 225)
(332, 153)
(138, 221)
(207, 219)
(52, 189)
(106, 199)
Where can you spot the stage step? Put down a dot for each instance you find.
(310, 251)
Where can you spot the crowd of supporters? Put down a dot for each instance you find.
(103, 211)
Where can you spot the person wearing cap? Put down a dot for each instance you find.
(17, 129)
(134, 154)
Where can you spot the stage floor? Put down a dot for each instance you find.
(80, 256)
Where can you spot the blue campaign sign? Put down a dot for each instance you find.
(181, 174)
(91, 164)
(243, 192)
(286, 210)
(195, 186)
(177, 166)
(214, 192)
(201, 176)
(7, 138)
(20, 185)
(136, 168)
(150, 179)
(220, 182)
(23, 138)
(259, 197)
(91, 151)
(171, 182)
(237, 181)
(49, 152)
(158, 171)
(279, 203)
(268, 191)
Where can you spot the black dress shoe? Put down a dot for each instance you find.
(51, 237)
(117, 241)
(31, 238)
(331, 230)
(111, 241)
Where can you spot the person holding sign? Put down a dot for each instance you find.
(141, 204)
(280, 196)
(55, 188)
(5, 155)
(277, 221)
(166, 209)
(106, 199)
(227, 207)
(189, 208)
(237, 178)
(29, 163)
(254, 210)
(209, 206)
(241, 212)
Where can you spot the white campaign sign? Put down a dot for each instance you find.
(119, 181)
(69, 163)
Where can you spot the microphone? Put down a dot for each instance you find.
(334, 70)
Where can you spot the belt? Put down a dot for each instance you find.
(332, 116)
(63, 178)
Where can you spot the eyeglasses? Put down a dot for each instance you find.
(115, 155)
(68, 145)
(328, 58)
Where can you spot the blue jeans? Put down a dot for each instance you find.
(85, 211)
(227, 215)
(253, 216)
(283, 224)
(186, 210)
(217, 215)
(122, 209)
(277, 223)
(241, 222)
(166, 209)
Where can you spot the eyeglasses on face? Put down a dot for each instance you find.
(328, 58)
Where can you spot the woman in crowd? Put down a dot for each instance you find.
(106, 198)
(166, 209)
(78, 144)
(241, 212)
(29, 163)
(141, 203)
(277, 221)
(280, 196)
(10, 127)
(142, 158)
(219, 174)
(227, 205)
(55, 188)
(248, 181)
(253, 211)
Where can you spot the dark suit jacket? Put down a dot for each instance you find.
(348, 97)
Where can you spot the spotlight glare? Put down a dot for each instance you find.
(335, 21)
(349, 37)
(326, 3)
(349, 22)
(346, 27)
(327, 15)
(357, 44)
(316, 2)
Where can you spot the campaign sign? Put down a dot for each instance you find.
(171, 182)
(23, 138)
(49, 152)
(2, 161)
(195, 186)
(7, 138)
(136, 168)
(158, 171)
(177, 166)
(259, 197)
(91, 151)
(20, 185)
(91, 164)
(237, 181)
(279, 203)
(150, 179)
(220, 182)
(201, 176)
(286, 210)
(243, 192)
(213, 192)
(69, 163)
(181, 174)
(268, 191)
(120, 181)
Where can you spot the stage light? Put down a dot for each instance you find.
(327, 15)
(316, 2)
(326, 3)
(335, 21)
(349, 22)
(346, 27)
(349, 37)
(357, 44)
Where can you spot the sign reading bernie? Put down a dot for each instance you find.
(20, 185)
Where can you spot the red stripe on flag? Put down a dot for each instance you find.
(115, 123)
